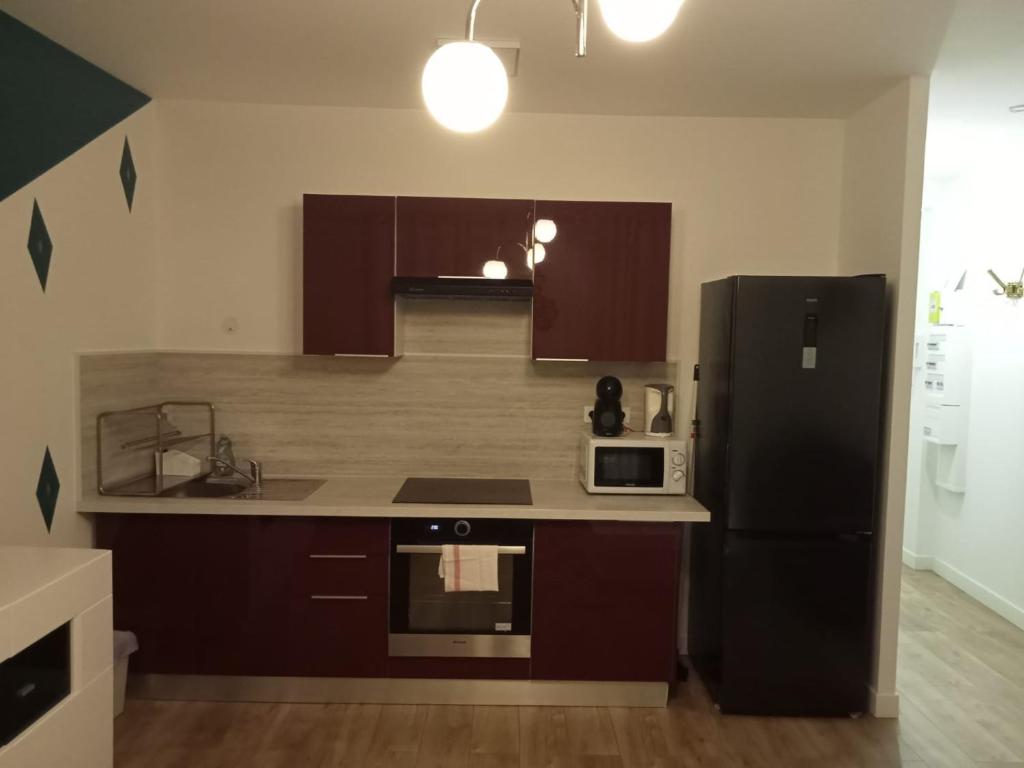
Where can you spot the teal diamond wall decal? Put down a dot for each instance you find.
(48, 489)
(40, 247)
(127, 173)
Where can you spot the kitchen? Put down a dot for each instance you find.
(225, 321)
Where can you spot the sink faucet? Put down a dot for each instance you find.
(254, 475)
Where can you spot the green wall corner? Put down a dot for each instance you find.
(52, 103)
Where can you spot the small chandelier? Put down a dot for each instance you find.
(465, 86)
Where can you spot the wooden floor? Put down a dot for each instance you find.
(961, 682)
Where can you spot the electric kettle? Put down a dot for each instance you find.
(659, 407)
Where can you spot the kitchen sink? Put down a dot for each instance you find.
(285, 489)
(201, 489)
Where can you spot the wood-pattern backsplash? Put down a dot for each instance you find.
(455, 410)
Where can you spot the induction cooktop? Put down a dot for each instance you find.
(453, 490)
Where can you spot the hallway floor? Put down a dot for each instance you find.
(961, 669)
(961, 682)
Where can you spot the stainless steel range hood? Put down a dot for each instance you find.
(462, 288)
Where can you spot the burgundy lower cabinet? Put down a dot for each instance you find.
(605, 600)
(307, 596)
(229, 595)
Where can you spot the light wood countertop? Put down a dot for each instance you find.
(371, 497)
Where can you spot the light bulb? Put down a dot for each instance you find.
(496, 270)
(539, 253)
(637, 21)
(465, 86)
(529, 258)
(544, 230)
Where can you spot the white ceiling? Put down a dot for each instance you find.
(980, 70)
(812, 58)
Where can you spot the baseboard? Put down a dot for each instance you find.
(883, 705)
(916, 561)
(991, 600)
(383, 690)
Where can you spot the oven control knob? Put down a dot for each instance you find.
(677, 475)
(677, 458)
(462, 528)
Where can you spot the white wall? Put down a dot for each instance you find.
(100, 295)
(879, 231)
(756, 196)
(973, 223)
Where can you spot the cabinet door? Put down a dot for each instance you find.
(452, 236)
(348, 259)
(155, 580)
(604, 601)
(601, 292)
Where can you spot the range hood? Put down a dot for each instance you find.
(462, 288)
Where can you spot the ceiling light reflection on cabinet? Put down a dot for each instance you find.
(544, 231)
(496, 270)
(638, 21)
(535, 255)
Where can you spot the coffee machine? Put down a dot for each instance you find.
(608, 417)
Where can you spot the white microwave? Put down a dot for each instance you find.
(632, 464)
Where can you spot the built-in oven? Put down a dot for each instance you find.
(427, 621)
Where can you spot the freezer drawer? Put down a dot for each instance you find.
(795, 625)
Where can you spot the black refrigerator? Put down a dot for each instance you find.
(787, 461)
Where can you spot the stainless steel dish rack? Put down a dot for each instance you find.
(130, 445)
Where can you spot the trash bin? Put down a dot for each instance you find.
(125, 644)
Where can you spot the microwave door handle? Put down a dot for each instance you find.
(435, 549)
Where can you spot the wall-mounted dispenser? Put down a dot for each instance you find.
(947, 384)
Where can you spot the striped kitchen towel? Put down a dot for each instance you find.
(469, 567)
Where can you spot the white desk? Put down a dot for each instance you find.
(42, 588)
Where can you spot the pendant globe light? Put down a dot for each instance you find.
(465, 86)
(638, 21)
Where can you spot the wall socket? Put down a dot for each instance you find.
(588, 408)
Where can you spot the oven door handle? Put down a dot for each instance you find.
(435, 549)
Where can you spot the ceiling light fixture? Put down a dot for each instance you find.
(638, 21)
(465, 86)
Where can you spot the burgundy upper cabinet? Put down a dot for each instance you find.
(601, 292)
(451, 236)
(348, 259)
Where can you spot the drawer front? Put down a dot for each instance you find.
(340, 636)
(344, 575)
(347, 536)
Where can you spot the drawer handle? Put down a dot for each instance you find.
(337, 557)
(338, 597)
